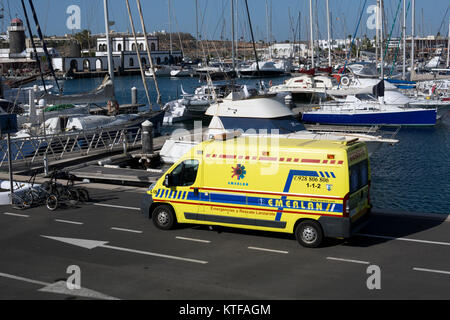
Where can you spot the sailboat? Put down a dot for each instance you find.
(59, 110)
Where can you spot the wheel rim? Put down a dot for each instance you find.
(309, 234)
(163, 218)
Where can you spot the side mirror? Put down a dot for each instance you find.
(166, 181)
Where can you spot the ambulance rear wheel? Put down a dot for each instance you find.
(164, 217)
(309, 234)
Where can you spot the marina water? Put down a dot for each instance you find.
(412, 176)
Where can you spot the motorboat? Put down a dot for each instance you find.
(215, 71)
(160, 71)
(266, 69)
(182, 72)
(305, 88)
(191, 106)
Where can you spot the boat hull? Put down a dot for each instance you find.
(261, 73)
(406, 117)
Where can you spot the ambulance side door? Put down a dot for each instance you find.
(181, 188)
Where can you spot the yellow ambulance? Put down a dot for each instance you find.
(311, 188)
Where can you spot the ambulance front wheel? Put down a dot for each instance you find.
(164, 217)
(309, 234)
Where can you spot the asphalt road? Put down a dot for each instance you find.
(121, 255)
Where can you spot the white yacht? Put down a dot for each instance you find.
(182, 72)
(160, 71)
(266, 69)
(194, 105)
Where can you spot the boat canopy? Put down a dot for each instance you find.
(103, 93)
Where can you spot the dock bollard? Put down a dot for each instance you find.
(45, 165)
(147, 137)
(134, 96)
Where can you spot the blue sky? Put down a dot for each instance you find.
(214, 20)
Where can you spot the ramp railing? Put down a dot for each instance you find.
(31, 150)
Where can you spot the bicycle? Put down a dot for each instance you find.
(82, 191)
(61, 192)
(40, 196)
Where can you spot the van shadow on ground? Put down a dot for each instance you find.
(387, 227)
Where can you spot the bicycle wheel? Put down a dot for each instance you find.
(19, 202)
(84, 194)
(52, 202)
(73, 196)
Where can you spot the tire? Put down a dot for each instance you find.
(309, 234)
(164, 217)
(52, 202)
(74, 196)
(84, 195)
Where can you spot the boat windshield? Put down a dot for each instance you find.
(366, 97)
(285, 125)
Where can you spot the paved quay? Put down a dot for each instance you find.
(120, 255)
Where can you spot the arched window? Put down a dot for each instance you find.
(86, 65)
(119, 47)
(141, 47)
(98, 64)
(131, 62)
(158, 60)
(152, 47)
(74, 65)
(133, 47)
(144, 61)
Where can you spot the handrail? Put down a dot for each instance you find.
(31, 150)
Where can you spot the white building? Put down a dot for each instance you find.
(124, 55)
(121, 43)
(285, 50)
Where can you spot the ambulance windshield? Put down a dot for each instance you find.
(285, 125)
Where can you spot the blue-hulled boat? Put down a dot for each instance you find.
(370, 112)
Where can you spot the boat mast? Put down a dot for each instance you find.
(108, 41)
(44, 46)
(328, 31)
(232, 36)
(139, 56)
(38, 61)
(267, 30)
(253, 44)
(448, 46)
(170, 28)
(404, 40)
(311, 33)
(377, 32)
(196, 28)
(144, 30)
(381, 40)
(413, 23)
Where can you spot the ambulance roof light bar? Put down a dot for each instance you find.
(227, 135)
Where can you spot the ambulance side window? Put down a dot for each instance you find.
(189, 172)
(185, 173)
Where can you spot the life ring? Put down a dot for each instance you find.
(345, 81)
